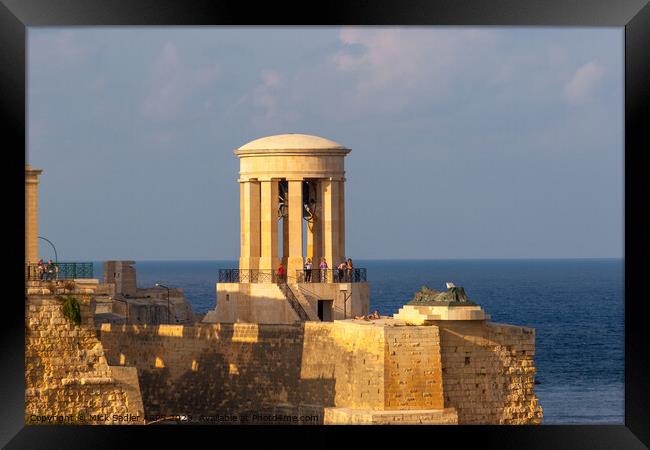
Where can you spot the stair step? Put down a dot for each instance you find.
(304, 302)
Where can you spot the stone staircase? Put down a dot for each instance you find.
(300, 308)
(302, 299)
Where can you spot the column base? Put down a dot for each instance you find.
(249, 263)
(269, 263)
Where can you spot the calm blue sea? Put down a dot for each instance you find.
(575, 306)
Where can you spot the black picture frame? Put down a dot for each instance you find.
(633, 15)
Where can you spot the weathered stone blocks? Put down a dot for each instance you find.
(67, 377)
(359, 366)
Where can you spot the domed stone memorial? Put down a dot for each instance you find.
(292, 236)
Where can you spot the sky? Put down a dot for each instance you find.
(490, 142)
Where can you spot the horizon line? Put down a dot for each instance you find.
(389, 259)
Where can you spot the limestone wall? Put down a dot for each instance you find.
(67, 377)
(248, 368)
(122, 274)
(488, 372)
(357, 303)
(251, 303)
(413, 377)
(352, 371)
(265, 302)
(352, 356)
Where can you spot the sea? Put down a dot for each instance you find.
(575, 305)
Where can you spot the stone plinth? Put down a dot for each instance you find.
(266, 303)
(423, 314)
(347, 416)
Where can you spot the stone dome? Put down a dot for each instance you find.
(292, 141)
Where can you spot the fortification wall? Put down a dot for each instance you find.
(235, 369)
(350, 355)
(67, 377)
(413, 368)
(488, 372)
(342, 371)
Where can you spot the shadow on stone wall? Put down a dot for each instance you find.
(219, 370)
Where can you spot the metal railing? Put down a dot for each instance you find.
(59, 271)
(331, 276)
(246, 276)
(302, 276)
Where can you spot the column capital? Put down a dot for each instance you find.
(295, 178)
(29, 170)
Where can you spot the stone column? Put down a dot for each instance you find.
(295, 261)
(285, 242)
(331, 225)
(250, 224)
(243, 229)
(31, 213)
(269, 225)
(315, 233)
(342, 218)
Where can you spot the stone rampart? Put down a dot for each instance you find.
(488, 372)
(67, 377)
(343, 371)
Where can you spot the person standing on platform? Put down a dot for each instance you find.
(323, 270)
(51, 270)
(281, 274)
(308, 269)
(350, 270)
(40, 269)
(341, 271)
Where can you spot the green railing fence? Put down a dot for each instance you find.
(59, 271)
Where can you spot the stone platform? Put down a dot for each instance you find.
(347, 416)
(423, 314)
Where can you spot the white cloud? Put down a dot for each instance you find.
(581, 86)
(394, 67)
(270, 110)
(264, 96)
(173, 85)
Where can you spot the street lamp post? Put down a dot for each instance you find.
(163, 286)
(56, 256)
(344, 288)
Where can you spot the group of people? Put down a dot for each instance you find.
(47, 271)
(374, 316)
(345, 271)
